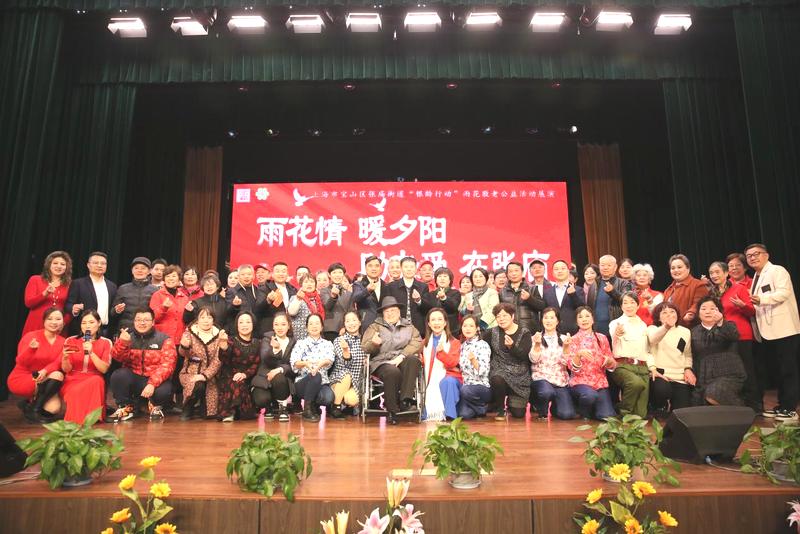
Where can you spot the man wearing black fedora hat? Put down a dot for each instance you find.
(394, 345)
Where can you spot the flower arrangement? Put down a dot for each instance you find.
(622, 510)
(794, 516)
(398, 519)
(627, 441)
(780, 453)
(149, 513)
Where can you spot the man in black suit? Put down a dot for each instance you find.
(368, 302)
(246, 296)
(93, 292)
(564, 296)
(278, 294)
(409, 293)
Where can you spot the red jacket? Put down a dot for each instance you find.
(152, 355)
(450, 359)
(739, 316)
(169, 320)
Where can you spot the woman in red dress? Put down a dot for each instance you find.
(84, 361)
(168, 304)
(36, 372)
(48, 290)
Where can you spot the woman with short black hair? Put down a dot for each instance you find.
(509, 375)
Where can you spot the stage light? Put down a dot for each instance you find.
(673, 24)
(305, 23)
(487, 130)
(486, 20)
(232, 134)
(357, 132)
(314, 132)
(363, 22)
(248, 24)
(272, 133)
(422, 21)
(532, 130)
(613, 21)
(188, 26)
(451, 85)
(349, 86)
(444, 130)
(573, 129)
(547, 21)
(127, 27)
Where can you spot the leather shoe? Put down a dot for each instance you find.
(309, 415)
(391, 418)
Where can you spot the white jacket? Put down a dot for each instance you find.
(776, 315)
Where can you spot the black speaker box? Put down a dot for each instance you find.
(12, 458)
(692, 434)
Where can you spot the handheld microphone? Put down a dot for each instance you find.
(87, 336)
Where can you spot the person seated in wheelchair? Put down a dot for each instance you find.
(394, 346)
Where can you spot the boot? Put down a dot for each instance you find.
(45, 391)
(309, 414)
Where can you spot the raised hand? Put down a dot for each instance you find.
(619, 331)
(537, 338)
(124, 335)
(507, 341)
(236, 301)
(186, 339)
(275, 344)
(608, 288)
(34, 344)
(76, 309)
(119, 308)
(376, 339)
(189, 306)
(167, 303)
(525, 294)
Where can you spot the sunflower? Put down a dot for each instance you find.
(666, 519)
(619, 472)
(590, 527)
(641, 489)
(160, 490)
(127, 482)
(150, 462)
(594, 496)
(632, 526)
(109, 530)
(166, 528)
(121, 516)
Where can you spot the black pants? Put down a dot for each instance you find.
(398, 382)
(501, 389)
(330, 336)
(785, 351)
(752, 392)
(127, 386)
(661, 391)
(278, 391)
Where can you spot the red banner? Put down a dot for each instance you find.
(461, 225)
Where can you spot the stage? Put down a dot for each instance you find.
(538, 484)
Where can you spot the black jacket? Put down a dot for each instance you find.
(218, 306)
(397, 289)
(253, 300)
(528, 310)
(449, 304)
(566, 310)
(81, 291)
(135, 294)
(271, 360)
(367, 303)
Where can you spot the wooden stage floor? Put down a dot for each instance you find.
(538, 483)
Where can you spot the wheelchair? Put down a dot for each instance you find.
(372, 396)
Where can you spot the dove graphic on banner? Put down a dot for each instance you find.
(380, 206)
(299, 199)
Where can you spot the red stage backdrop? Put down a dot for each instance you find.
(461, 225)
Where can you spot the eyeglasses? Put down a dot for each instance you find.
(753, 255)
(142, 320)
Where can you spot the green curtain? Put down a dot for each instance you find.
(178, 4)
(714, 194)
(769, 54)
(166, 58)
(29, 93)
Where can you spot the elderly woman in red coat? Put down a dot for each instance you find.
(168, 304)
(685, 291)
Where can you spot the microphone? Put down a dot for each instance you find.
(87, 336)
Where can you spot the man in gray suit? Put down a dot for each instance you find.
(337, 299)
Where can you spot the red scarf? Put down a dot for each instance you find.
(314, 303)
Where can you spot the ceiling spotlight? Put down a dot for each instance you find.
(305, 23)
(314, 132)
(555, 85)
(532, 130)
(247, 24)
(127, 27)
(243, 89)
(444, 130)
(422, 21)
(487, 130)
(188, 26)
(613, 21)
(232, 134)
(349, 86)
(451, 85)
(357, 132)
(547, 21)
(573, 129)
(363, 22)
(272, 133)
(483, 20)
(673, 24)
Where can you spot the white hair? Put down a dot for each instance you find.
(646, 268)
(245, 266)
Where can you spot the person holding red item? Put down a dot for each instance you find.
(84, 361)
(441, 353)
(169, 303)
(36, 376)
(48, 290)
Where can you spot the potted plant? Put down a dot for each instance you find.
(70, 453)
(627, 441)
(780, 453)
(265, 462)
(457, 453)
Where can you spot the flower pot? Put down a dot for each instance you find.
(607, 478)
(780, 470)
(465, 481)
(74, 482)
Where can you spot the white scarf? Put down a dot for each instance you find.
(434, 373)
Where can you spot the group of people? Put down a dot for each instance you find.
(591, 344)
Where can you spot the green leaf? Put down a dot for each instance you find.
(92, 418)
(75, 465)
(92, 458)
(625, 495)
(619, 512)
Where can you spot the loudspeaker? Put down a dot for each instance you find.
(692, 434)
(12, 458)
